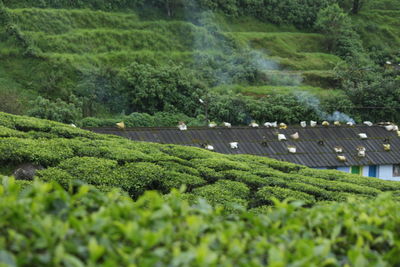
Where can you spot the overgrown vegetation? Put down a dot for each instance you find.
(119, 62)
(72, 156)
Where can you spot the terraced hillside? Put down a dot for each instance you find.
(70, 43)
(71, 156)
(57, 53)
(380, 28)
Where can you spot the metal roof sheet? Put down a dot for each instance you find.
(314, 147)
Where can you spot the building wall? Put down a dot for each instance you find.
(384, 172)
(365, 171)
(344, 169)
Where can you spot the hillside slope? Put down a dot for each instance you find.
(72, 46)
(72, 156)
(119, 61)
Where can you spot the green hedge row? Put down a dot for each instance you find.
(43, 225)
(266, 195)
(72, 156)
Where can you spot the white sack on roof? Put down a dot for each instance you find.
(254, 125)
(303, 124)
(368, 123)
(338, 149)
(386, 147)
(389, 127)
(234, 145)
(295, 136)
(313, 123)
(274, 124)
(395, 128)
(121, 125)
(325, 123)
(283, 126)
(212, 125)
(350, 123)
(292, 149)
(337, 123)
(361, 151)
(182, 126)
(341, 158)
(281, 137)
(210, 147)
(227, 124)
(363, 135)
(268, 124)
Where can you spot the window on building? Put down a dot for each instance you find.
(396, 170)
(355, 169)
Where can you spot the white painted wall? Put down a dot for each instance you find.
(365, 171)
(344, 169)
(384, 172)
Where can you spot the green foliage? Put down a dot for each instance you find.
(300, 14)
(56, 111)
(95, 4)
(336, 24)
(72, 156)
(44, 225)
(161, 89)
(46, 153)
(345, 177)
(175, 179)
(225, 193)
(267, 194)
(7, 132)
(77, 50)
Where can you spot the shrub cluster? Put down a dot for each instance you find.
(72, 156)
(43, 225)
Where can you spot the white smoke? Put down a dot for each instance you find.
(309, 100)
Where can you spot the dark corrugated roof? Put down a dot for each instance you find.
(264, 142)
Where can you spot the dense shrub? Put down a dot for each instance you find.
(265, 195)
(175, 179)
(138, 177)
(253, 181)
(73, 156)
(56, 111)
(91, 228)
(339, 186)
(225, 193)
(7, 132)
(345, 177)
(164, 88)
(220, 163)
(40, 151)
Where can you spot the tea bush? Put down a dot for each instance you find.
(266, 195)
(72, 156)
(43, 225)
(225, 193)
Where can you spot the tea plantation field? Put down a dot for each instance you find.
(91, 206)
(43, 225)
(71, 156)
